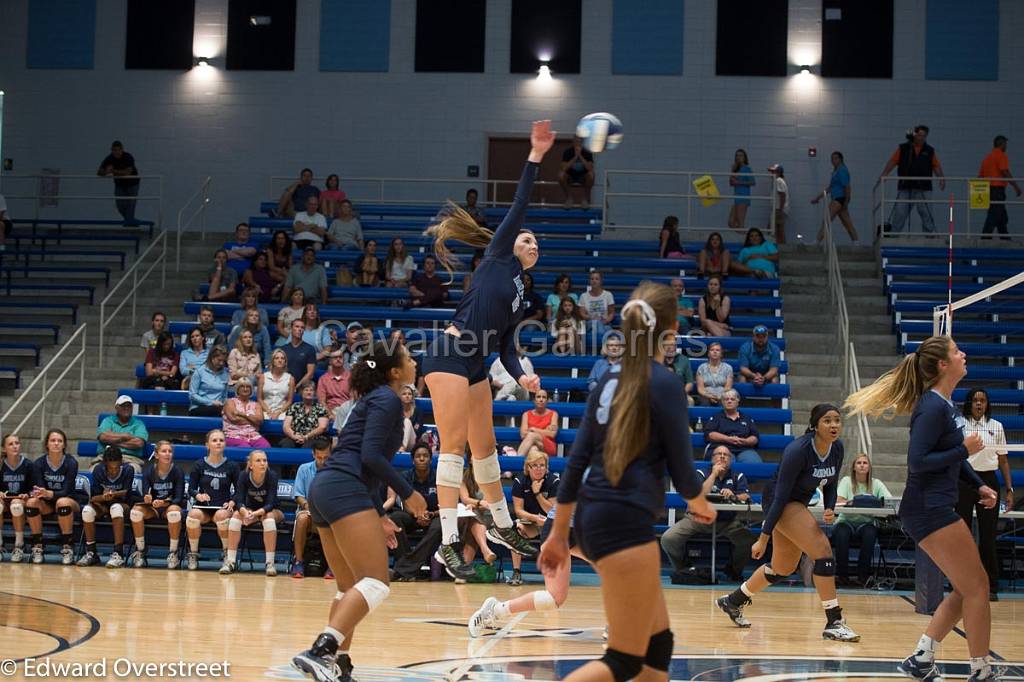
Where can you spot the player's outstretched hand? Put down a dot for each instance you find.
(541, 137)
(531, 382)
(415, 504)
(390, 528)
(553, 554)
(989, 498)
(759, 547)
(701, 509)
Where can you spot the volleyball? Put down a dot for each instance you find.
(600, 131)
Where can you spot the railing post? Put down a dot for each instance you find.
(163, 263)
(42, 415)
(689, 201)
(99, 354)
(135, 288)
(81, 365)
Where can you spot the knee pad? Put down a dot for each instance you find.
(543, 601)
(623, 666)
(225, 524)
(136, 516)
(233, 525)
(771, 576)
(64, 511)
(373, 591)
(270, 525)
(824, 567)
(174, 517)
(487, 469)
(17, 508)
(193, 522)
(659, 650)
(338, 595)
(88, 514)
(117, 511)
(449, 470)
(31, 512)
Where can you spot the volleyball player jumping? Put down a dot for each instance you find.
(455, 364)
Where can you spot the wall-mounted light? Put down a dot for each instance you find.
(805, 68)
(544, 73)
(202, 61)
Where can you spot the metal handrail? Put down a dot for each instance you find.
(203, 196)
(136, 280)
(48, 390)
(36, 196)
(275, 180)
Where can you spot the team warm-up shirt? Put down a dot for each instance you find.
(169, 488)
(60, 480)
(16, 480)
(216, 481)
(668, 446)
(729, 480)
(801, 472)
(522, 487)
(427, 487)
(369, 441)
(936, 456)
(488, 313)
(254, 496)
(102, 482)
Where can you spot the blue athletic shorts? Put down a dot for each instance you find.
(603, 528)
(334, 495)
(545, 531)
(446, 354)
(919, 524)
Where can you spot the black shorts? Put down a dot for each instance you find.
(446, 354)
(334, 495)
(603, 528)
(919, 524)
(842, 201)
(545, 531)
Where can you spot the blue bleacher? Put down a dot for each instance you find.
(38, 326)
(399, 228)
(942, 270)
(26, 254)
(17, 306)
(368, 210)
(933, 254)
(988, 350)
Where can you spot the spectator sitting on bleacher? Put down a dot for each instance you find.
(368, 268)
(158, 324)
(301, 356)
(192, 356)
(597, 307)
(713, 377)
(567, 327)
(163, 496)
(244, 360)
(611, 355)
(249, 300)
(309, 276)
(223, 280)
(412, 417)
(211, 486)
(714, 258)
(111, 495)
(669, 245)
(243, 418)
(295, 309)
(280, 252)
(211, 335)
(473, 526)
(332, 195)
(124, 430)
(714, 308)
(294, 198)
(562, 289)
(53, 493)
(685, 304)
(721, 480)
(399, 265)
(6, 226)
(162, 365)
(321, 448)
(208, 388)
(260, 336)
(345, 232)
(757, 258)
(259, 278)
(304, 420)
(276, 386)
(408, 558)
(539, 426)
(316, 334)
(242, 250)
(309, 227)
(759, 359)
(735, 430)
(680, 364)
(533, 496)
(15, 485)
(577, 171)
(255, 502)
(332, 388)
(505, 386)
(474, 211)
(428, 290)
(858, 483)
(533, 303)
(357, 341)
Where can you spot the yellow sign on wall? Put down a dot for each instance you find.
(979, 193)
(706, 188)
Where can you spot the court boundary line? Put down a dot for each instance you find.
(63, 644)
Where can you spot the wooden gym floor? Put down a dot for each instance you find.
(88, 615)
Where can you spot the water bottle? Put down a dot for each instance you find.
(699, 426)
(163, 409)
(554, 398)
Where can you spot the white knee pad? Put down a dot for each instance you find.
(17, 508)
(449, 470)
(543, 601)
(174, 517)
(136, 516)
(487, 470)
(117, 511)
(88, 514)
(338, 595)
(270, 525)
(225, 524)
(373, 591)
(193, 522)
(234, 525)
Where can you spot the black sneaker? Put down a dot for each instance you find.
(510, 537)
(320, 668)
(734, 612)
(920, 669)
(449, 557)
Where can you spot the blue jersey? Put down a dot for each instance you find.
(801, 472)
(216, 481)
(488, 313)
(936, 456)
(668, 446)
(369, 441)
(427, 487)
(60, 480)
(16, 480)
(169, 488)
(124, 480)
(254, 496)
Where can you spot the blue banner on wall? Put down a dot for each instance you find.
(61, 34)
(962, 40)
(355, 35)
(647, 37)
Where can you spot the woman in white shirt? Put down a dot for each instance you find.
(859, 482)
(276, 387)
(399, 265)
(978, 419)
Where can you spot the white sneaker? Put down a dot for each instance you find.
(137, 559)
(840, 632)
(2, 554)
(90, 558)
(483, 618)
(37, 554)
(192, 561)
(67, 555)
(228, 567)
(172, 560)
(115, 560)
(271, 570)
(18, 555)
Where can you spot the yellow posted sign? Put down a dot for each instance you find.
(979, 193)
(706, 188)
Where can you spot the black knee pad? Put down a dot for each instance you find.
(772, 577)
(31, 511)
(659, 650)
(623, 666)
(63, 511)
(824, 567)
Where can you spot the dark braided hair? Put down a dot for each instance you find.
(373, 369)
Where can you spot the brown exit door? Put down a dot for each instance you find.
(505, 159)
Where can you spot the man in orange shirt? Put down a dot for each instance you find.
(997, 165)
(915, 158)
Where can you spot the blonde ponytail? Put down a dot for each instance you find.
(897, 391)
(459, 226)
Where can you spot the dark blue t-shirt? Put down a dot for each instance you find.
(301, 193)
(169, 488)
(255, 496)
(102, 482)
(522, 487)
(801, 472)
(16, 480)
(60, 480)
(427, 488)
(217, 481)
(729, 480)
(743, 427)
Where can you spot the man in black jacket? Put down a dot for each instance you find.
(915, 158)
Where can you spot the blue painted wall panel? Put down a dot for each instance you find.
(61, 34)
(962, 40)
(647, 37)
(355, 35)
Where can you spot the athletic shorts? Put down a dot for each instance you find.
(103, 508)
(334, 495)
(603, 528)
(919, 524)
(545, 531)
(446, 354)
